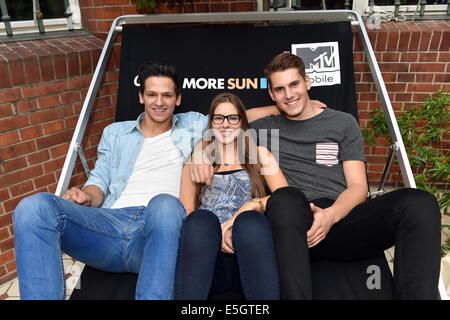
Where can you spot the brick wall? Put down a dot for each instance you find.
(43, 84)
(414, 60)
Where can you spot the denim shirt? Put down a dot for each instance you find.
(121, 143)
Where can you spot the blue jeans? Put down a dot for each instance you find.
(203, 269)
(138, 239)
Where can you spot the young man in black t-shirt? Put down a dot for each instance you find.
(324, 212)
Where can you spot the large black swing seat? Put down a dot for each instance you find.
(188, 41)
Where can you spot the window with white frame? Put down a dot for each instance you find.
(398, 10)
(403, 9)
(20, 17)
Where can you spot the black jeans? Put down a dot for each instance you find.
(407, 218)
(203, 269)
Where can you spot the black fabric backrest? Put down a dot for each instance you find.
(217, 58)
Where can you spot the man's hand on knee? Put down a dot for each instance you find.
(78, 196)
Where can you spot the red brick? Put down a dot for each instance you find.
(435, 40)
(425, 41)
(5, 80)
(10, 95)
(9, 138)
(424, 77)
(409, 57)
(6, 256)
(59, 151)
(13, 123)
(116, 2)
(106, 12)
(4, 194)
(112, 76)
(394, 67)
(17, 150)
(403, 43)
(38, 157)
(79, 82)
(427, 67)
(6, 110)
(422, 87)
(367, 96)
(46, 115)
(420, 97)
(31, 133)
(48, 101)
(428, 57)
(4, 234)
(108, 89)
(415, 41)
(109, 112)
(73, 64)
(102, 102)
(71, 122)
(54, 139)
(406, 77)
(21, 188)
(14, 164)
(445, 45)
(69, 97)
(392, 41)
(60, 66)
(444, 77)
(47, 73)
(18, 74)
(361, 67)
(381, 41)
(363, 87)
(444, 57)
(44, 89)
(52, 127)
(86, 62)
(54, 165)
(25, 106)
(358, 57)
(18, 176)
(132, 9)
(403, 97)
(44, 180)
(396, 87)
(390, 57)
(32, 70)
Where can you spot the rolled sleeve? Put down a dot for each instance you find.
(100, 176)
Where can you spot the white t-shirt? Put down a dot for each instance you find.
(157, 170)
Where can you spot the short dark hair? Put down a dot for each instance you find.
(157, 69)
(284, 61)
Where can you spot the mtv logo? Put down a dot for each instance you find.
(318, 57)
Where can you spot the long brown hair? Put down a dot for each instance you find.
(253, 168)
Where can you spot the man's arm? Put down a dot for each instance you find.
(188, 190)
(356, 192)
(261, 112)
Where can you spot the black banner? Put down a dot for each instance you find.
(218, 58)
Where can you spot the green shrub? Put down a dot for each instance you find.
(422, 128)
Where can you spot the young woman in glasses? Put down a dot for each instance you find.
(226, 241)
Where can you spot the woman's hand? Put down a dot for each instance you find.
(227, 233)
(227, 226)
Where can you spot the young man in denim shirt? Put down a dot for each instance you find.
(127, 217)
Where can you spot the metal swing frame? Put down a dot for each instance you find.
(397, 147)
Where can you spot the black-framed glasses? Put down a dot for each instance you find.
(231, 118)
